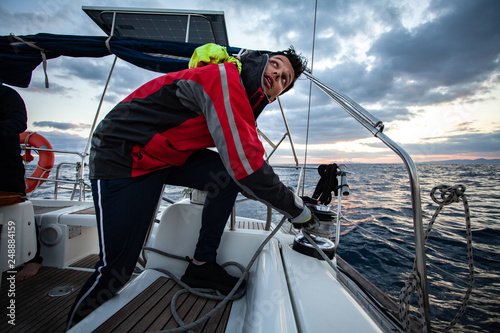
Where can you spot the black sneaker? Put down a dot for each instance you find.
(210, 275)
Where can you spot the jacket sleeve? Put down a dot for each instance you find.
(231, 123)
(12, 113)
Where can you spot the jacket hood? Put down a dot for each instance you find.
(252, 75)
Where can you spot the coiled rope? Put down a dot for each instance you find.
(209, 293)
(449, 195)
(327, 184)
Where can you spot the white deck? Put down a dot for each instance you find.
(287, 291)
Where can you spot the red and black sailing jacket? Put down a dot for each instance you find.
(164, 121)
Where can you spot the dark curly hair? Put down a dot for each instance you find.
(299, 63)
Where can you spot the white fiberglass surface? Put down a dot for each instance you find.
(320, 302)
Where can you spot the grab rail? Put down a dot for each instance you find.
(376, 127)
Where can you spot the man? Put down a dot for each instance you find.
(13, 119)
(159, 135)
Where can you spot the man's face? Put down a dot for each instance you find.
(277, 76)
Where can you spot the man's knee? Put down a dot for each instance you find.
(220, 181)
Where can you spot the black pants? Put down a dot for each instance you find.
(12, 174)
(126, 207)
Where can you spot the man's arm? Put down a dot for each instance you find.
(13, 112)
(232, 125)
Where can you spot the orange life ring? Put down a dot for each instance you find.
(45, 161)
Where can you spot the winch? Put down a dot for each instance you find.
(333, 180)
(302, 245)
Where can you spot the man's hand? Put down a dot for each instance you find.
(306, 219)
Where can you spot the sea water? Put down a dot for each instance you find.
(381, 245)
(378, 238)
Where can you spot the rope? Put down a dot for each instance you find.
(39, 182)
(42, 52)
(27, 139)
(209, 293)
(413, 284)
(306, 233)
(327, 183)
(449, 195)
(202, 292)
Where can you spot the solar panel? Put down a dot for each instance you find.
(162, 24)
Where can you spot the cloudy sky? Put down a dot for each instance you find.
(430, 70)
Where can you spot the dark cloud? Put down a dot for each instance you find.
(63, 141)
(93, 70)
(471, 143)
(453, 143)
(460, 48)
(38, 86)
(61, 126)
(127, 77)
(366, 86)
(457, 51)
(328, 124)
(452, 57)
(46, 16)
(111, 97)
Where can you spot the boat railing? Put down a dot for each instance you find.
(269, 215)
(376, 127)
(77, 184)
(79, 188)
(285, 135)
